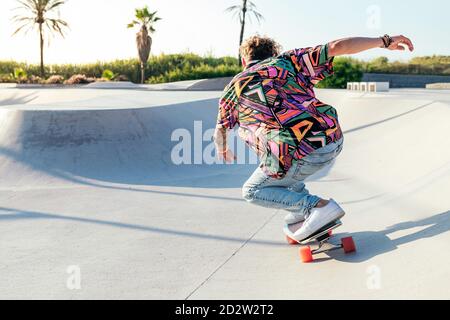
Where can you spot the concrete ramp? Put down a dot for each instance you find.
(125, 146)
(91, 187)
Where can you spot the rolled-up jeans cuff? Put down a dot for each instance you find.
(309, 202)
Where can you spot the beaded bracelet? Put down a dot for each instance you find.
(387, 40)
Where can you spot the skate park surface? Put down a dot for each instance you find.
(89, 189)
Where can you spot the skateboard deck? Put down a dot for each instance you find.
(320, 240)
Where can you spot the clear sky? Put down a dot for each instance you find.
(98, 27)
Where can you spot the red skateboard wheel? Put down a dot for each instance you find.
(306, 254)
(291, 241)
(348, 244)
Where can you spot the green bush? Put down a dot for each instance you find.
(108, 75)
(432, 65)
(345, 70)
(19, 73)
(202, 71)
(128, 68)
(20, 76)
(189, 66)
(436, 60)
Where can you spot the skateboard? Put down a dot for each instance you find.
(319, 242)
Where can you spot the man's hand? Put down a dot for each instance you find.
(400, 43)
(228, 156)
(220, 138)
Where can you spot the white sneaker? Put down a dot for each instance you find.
(317, 219)
(293, 218)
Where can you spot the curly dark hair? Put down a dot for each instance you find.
(259, 48)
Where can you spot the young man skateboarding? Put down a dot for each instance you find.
(294, 134)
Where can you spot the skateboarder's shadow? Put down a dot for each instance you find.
(373, 243)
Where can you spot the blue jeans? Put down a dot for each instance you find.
(289, 193)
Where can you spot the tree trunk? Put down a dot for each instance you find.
(41, 36)
(144, 45)
(241, 37)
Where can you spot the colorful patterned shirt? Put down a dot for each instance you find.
(278, 114)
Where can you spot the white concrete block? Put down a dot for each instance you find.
(363, 86)
(378, 86)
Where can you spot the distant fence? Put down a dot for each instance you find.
(405, 80)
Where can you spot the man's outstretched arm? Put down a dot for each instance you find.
(359, 44)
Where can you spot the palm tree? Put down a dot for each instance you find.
(145, 20)
(40, 14)
(246, 9)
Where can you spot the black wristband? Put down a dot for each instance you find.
(387, 40)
